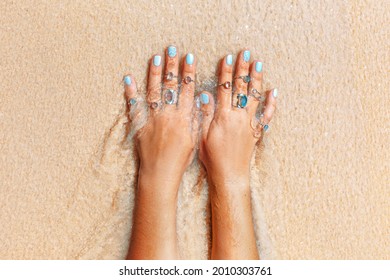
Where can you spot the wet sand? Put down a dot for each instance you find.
(320, 179)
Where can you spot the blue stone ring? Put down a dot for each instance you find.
(242, 100)
(132, 101)
(246, 78)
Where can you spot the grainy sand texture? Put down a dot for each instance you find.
(320, 178)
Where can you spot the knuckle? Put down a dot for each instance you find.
(155, 71)
(243, 65)
(153, 94)
(227, 69)
(171, 63)
(171, 84)
(241, 87)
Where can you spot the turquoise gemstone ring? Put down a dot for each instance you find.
(242, 100)
(246, 78)
(132, 101)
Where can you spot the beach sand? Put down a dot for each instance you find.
(320, 178)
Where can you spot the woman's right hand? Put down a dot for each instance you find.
(167, 141)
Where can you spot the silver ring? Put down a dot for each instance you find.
(246, 78)
(242, 100)
(155, 105)
(256, 123)
(169, 76)
(188, 80)
(170, 96)
(226, 85)
(257, 95)
(265, 126)
(132, 101)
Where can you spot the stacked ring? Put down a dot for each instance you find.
(256, 95)
(265, 126)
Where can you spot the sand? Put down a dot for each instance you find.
(320, 179)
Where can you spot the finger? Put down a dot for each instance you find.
(241, 79)
(154, 82)
(133, 100)
(207, 109)
(270, 106)
(254, 91)
(224, 94)
(186, 97)
(171, 77)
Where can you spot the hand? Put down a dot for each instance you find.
(230, 134)
(166, 143)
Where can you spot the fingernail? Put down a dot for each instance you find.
(172, 51)
(229, 59)
(259, 66)
(127, 80)
(204, 98)
(157, 60)
(190, 58)
(247, 55)
(275, 93)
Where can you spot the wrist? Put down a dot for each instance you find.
(159, 183)
(229, 181)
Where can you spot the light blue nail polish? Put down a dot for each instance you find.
(157, 60)
(229, 59)
(247, 55)
(275, 93)
(172, 51)
(204, 98)
(190, 58)
(259, 66)
(127, 80)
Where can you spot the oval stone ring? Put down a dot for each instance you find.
(170, 96)
(242, 100)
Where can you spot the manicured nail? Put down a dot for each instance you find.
(172, 51)
(247, 55)
(259, 66)
(157, 60)
(229, 59)
(204, 98)
(275, 93)
(190, 58)
(127, 80)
